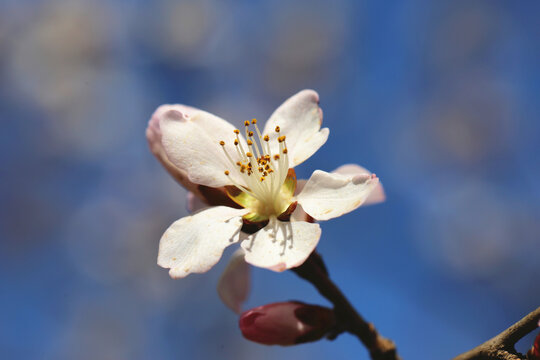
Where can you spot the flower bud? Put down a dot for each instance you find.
(286, 323)
(534, 352)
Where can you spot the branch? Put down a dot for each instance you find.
(501, 347)
(348, 319)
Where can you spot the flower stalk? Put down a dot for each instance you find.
(347, 318)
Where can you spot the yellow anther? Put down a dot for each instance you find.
(226, 172)
(248, 154)
(246, 123)
(254, 121)
(266, 137)
(250, 133)
(262, 179)
(265, 173)
(250, 142)
(277, 129)
(285, 151)
(236, 131)
(235, 142)
(261, 169)
(222, 143)
(270, 171)
(238, 163)
(267, 167)
(281, 139)
(276, 157)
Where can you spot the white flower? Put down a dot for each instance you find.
(255, 169)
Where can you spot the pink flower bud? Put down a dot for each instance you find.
(534, 352)
(286, 323)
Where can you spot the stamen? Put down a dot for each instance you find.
(257, 160)
(241, 187)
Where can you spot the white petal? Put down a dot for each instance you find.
(234, 284)
(326, 196)
(195, 243)
(300, 120)
(194, 203)
(300, 215)
(154, 138)
(376, 196)
(281, 245)
(192, 144)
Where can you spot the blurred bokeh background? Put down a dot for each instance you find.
(440, 99)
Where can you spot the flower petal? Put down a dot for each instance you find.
(195, 243)
(299, 119)
(233, 286)
(326, 196)
(154, 138)
(376, 196)
(195, 203)
(191, 142)
(281, 245)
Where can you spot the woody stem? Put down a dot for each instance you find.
(349, 320)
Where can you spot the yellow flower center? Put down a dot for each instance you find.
(267, 186)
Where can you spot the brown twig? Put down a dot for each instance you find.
(501, 347)
(349, 320)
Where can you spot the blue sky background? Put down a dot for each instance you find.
(440, 99)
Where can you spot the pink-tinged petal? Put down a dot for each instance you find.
(286, 323)
(206, 197)
(299, 214)
(195, 243)
(329, 195)
(195, 203)
(299, 186)
(234, 284)
(376, 196)
(281, 245)
(154, 138)
(299, 119)
(192, 144)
